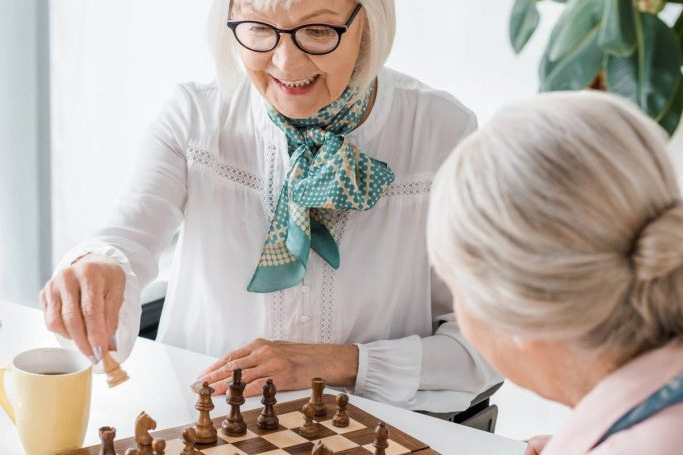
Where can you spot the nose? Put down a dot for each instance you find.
(286, 56)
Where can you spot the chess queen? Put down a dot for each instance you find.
(300, 181)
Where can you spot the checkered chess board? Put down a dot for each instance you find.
(356, 439)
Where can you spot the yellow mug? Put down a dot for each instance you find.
(52, 389)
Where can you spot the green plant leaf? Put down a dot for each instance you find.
(618, 33)
(652, 75)
(574, 45)
(579, 18)
(524, 20)
(671, 117)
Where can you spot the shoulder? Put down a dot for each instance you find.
(411, 96)
(429, 121)
(196, 110)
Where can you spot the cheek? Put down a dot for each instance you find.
(255, 65)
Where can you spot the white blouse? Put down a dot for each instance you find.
(215, 169)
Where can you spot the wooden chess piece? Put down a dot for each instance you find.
(132, 452)
(206, 433)
(159, 446)
(309, 429)
(107, 436)
(317, 387)
(234, 424)
(268, 420)
(381, 439)
(190, 439)
(115, 375)
(144, 423)
(319, 448)
(341, 418)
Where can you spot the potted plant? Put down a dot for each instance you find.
(622, 46)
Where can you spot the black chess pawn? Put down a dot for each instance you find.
(309, 429)
(206, 433)
(341, 418)
(268, 420)
(381, 439)
(107, 436)
(234, 424)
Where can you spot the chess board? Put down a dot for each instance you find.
(356, 439)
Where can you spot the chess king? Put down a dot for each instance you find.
(300, 180)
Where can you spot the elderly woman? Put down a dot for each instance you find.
(302, 194)
(559, 228)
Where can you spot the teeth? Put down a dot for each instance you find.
(301, 83)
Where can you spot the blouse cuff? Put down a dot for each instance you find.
(130, 312)
(389, 370)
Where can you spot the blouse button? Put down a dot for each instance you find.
(305, 289)
(305, 319)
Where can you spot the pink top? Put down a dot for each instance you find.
(614, 396)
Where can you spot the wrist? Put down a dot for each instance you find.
(344, 366)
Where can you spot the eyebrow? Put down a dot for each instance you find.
(319, 13)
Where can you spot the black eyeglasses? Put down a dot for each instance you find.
(315, 39)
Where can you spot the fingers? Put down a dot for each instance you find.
(216, 365)
(255, 388)
(71, 312)
(220, 388)
(92, 309)
(52, 310)
(113, 300)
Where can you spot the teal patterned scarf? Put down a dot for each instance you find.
(326, 173)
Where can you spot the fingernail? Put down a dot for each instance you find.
(195, 387)
(113, 343)
(92, 359)
(98, 353)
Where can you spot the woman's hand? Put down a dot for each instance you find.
(290, 365)
(82, 302)
(536, 445)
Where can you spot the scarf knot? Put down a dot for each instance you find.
(326, 174)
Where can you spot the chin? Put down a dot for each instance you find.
(297, 110)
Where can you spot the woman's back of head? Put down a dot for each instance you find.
(562, 218)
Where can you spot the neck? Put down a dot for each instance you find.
(579, 374)
(371, 104)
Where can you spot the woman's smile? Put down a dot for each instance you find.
(296, 86)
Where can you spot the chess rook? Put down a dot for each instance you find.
(107, 436)
(317, 388)
(268, 420)
(341, 418)
(234, 424)
(204, 429)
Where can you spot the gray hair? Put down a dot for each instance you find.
(376, 42)
(561, 218)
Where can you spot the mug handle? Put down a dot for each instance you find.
(3, 396)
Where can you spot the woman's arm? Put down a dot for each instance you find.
(440, 373)
(144, 219)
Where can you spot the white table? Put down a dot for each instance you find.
(159, 384)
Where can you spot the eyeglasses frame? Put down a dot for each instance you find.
(340, 29)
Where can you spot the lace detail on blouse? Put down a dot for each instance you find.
(233, 174)
(328, 285)
(415, 188)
